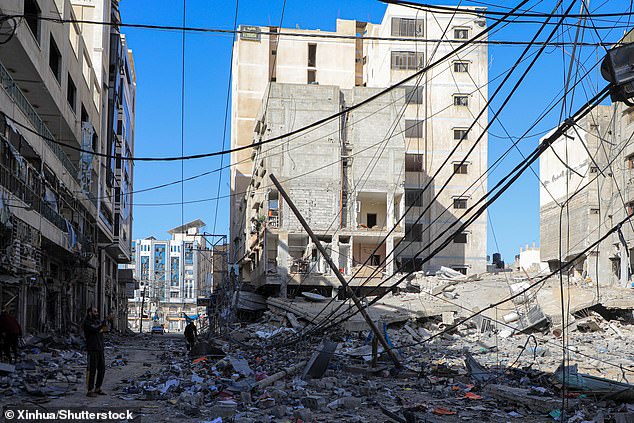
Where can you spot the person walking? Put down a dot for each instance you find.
(10, 333)
(93, 332)
(190, 334)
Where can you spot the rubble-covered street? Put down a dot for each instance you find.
(477, 371)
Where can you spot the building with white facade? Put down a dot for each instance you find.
(356, 187)
(60, 245)
(168, 272)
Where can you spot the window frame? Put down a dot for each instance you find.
(458, 64)
(461, 98)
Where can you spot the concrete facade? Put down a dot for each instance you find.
(58, 256)
(354, 177)
(579, 203)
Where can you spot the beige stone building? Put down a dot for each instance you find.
(355, 176)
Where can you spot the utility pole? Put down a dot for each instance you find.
(335, 269)
(141, 317)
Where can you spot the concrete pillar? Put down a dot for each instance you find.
(624, 266)
(389, 251)
(282, 262)
(389, 221)
(335, 250)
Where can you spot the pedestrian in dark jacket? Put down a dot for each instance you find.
(190, 335)
(10, 332)
(93, 331)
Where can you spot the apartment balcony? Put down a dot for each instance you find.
(31, 194)
(18, 97)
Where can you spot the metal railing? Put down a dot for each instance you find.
(23, 104)
(31, 194)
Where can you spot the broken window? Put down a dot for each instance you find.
(413, 162)
(460, 169)
(55, 59)
(413, 128)
(461, 100)
(375, 260)
(460, 238)
(406, 27)
(406, 60)
(413, 197)
(460, 134)
(71, 93)
(459, 203)
(461, 33)
(413, 232)
(312, 76)
(414, 95)
(32, 17)
(312, 55)
(407, 264)
(461, 67)
(371, 220)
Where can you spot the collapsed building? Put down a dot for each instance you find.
(68, 91)
(374, 173)
(582, 199)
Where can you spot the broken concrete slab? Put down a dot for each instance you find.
(318, 362)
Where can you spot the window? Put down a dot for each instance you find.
(31, 16)
(460, 134)
(371, 220)
(460, 169)
(594, 169)
(413, 128)
(405, 27)
(630, 208)
(407, 264)
(461, 100)
(460, 238)
(461, 33)
(71, 93)
(173, 295)
(629, 161)
(413, 232)
(594, 210)
(55, 60)
(413, 197)
(312, 55)
(414, 95)
(459, 203)
(460, 67)
(406, 60)
(312, 76)
(413, 162)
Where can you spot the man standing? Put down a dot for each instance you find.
(93, 332)
(10, 332)
(190, 334)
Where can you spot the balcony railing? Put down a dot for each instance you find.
(23, 104)
(31, 194)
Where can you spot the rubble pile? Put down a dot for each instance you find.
(504, 364)
(50, 367)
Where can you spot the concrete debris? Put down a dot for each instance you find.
(481, 369)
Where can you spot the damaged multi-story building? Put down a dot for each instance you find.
(587, 178)
(354, 177)
(68, 92)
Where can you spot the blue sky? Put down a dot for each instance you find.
(515, 216)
